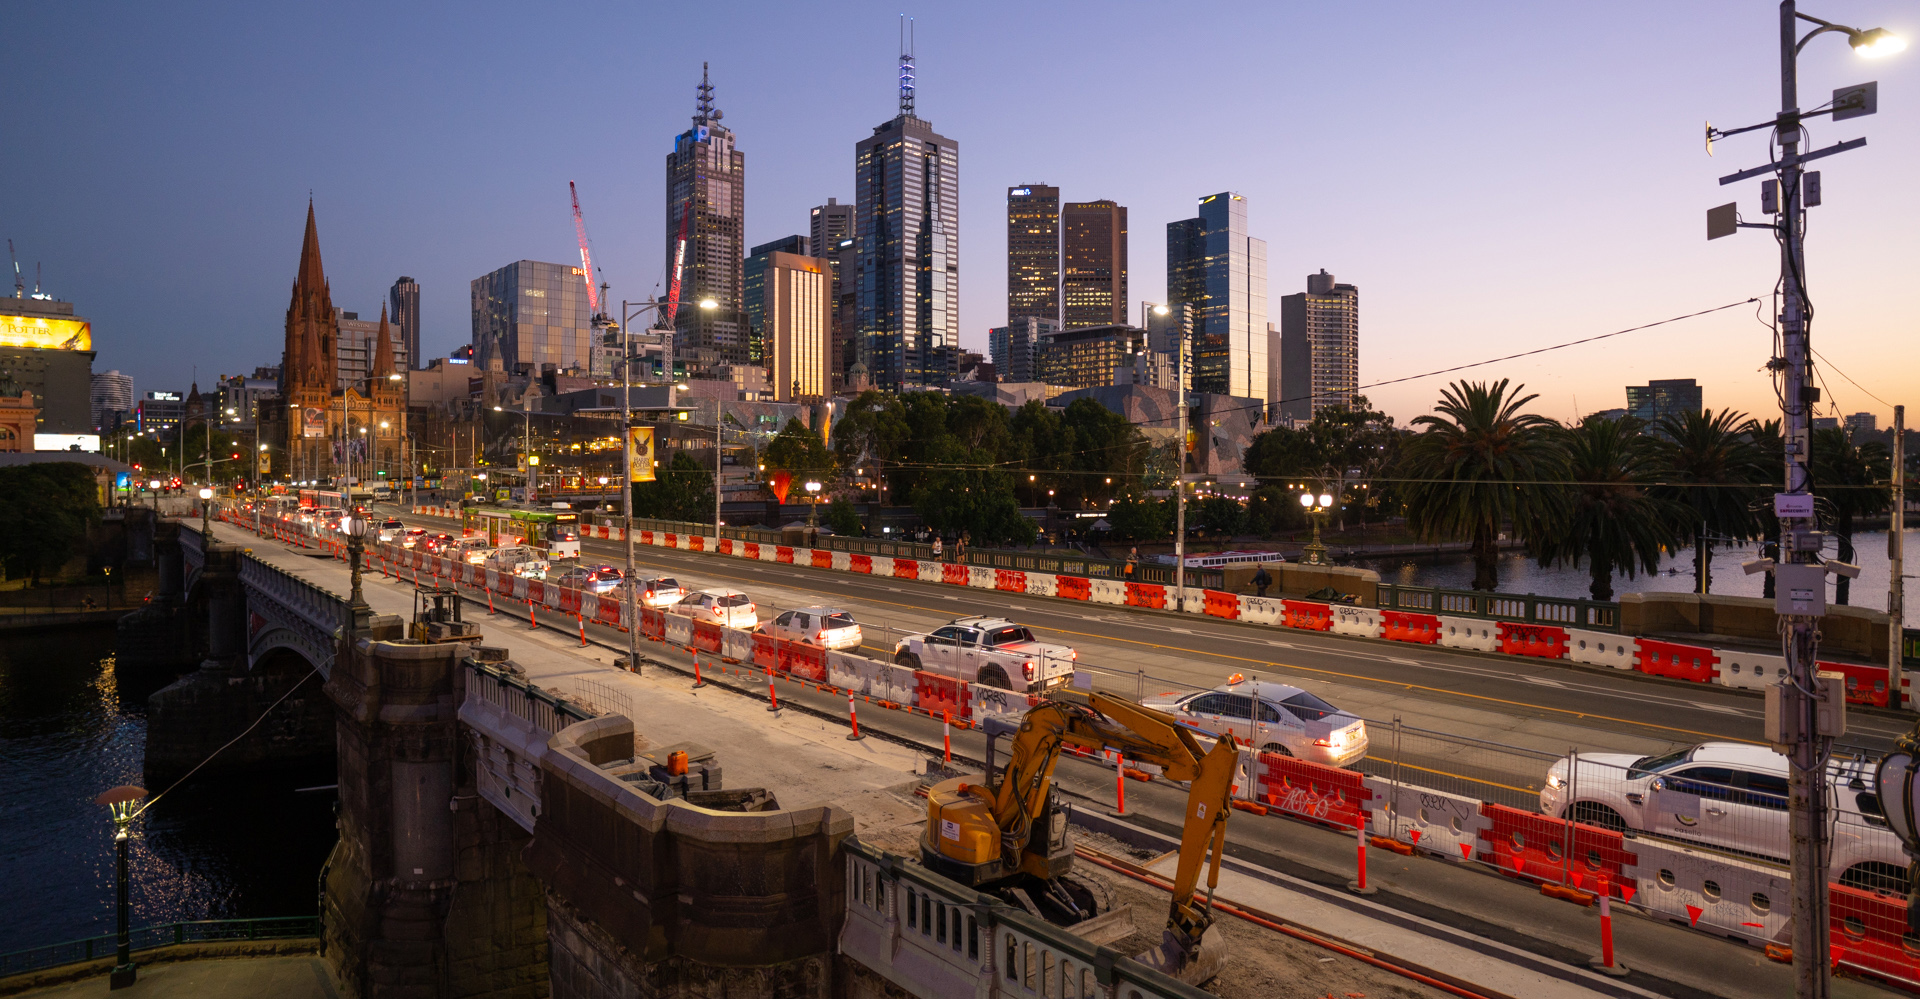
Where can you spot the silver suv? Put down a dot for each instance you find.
(992, 651)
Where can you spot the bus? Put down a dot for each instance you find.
(322, 499)
(557, 531)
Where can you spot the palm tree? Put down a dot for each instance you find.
(1608, 513)
(1843, 474)
(1476, 462)
(1711, 466)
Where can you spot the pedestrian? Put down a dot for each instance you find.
(937, 554)
(1133, 559)
(1261, 580)
(960, 547)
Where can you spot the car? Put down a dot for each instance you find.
(1293, 722)
(827, 627)
(727, 608)
(605, 579)
(472, 550)
(992, 651)
(413, 537)
(660, 591)
(391, 530)
(519, 560)
(436, 544)
(576, 578)
(1729, 796)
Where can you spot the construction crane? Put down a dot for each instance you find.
(19, 285)
(1009, 834)
(586, 255)
(679, 260)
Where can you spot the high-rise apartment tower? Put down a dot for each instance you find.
(1214, 266)
(403, 301)
(1319, 347)
(707, 177)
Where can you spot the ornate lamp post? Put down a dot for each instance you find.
(122, 802)
(355, 525)
(813, 495)
(206, 500)
(1316, 506)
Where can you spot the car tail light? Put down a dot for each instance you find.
(1073, 653)
(1028, 667)
(821, 637)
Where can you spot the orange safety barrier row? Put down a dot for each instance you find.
(1147, 595)
(1327, 795)
(1218, 604)
(942, 696)
(1306, 615)
(860, 563)
(1865, 684)
(906, 568)
(1009, 581)
(1402, 626)
(1073, 587)
(1534, 846)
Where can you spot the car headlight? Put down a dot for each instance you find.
(1554, 781)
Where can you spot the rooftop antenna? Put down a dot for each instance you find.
(36, 280)
(906, 65)
(705, 104)
(19, 286)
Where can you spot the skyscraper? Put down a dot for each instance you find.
(907, 184)
(111, 400)
(1662, 397)
(1319, 347)
(531, 313)
(795, 290)
(1093, 264)
(403, 301)
(1015, 348)
(1213, 265)
(830, 223)
(753, 284)
(1033, 252)
(707, 177)
(831, 238)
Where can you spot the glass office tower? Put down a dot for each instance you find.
(1033, 252)
(1214, 266)
(530, 313)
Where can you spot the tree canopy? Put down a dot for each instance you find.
(45, 511)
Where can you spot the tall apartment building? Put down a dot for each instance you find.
(1861, 423)
(1015, 348)
(1214, 266)
(111, 400)
(1089, 357)
(531, 313)
(359, 341)
(796, 290)
(1319, 347)
(707, 187)
(753, 293)
(907, 182)
(1033, 252)
(832, 238)
(1093, 264)
(1662, 397)
(403, 304)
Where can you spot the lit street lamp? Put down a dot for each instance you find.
(1316, 553)
(813, 494)
(355, 526)
(121, 802)
(206, 500)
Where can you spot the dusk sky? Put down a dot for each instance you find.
(1493, 177)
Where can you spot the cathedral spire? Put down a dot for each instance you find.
(311, 276)
(382, 355)
(308, 360)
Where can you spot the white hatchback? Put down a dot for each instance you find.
(726, 608)
(660, 591)
(827, 627)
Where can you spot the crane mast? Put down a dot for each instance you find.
(586, 254)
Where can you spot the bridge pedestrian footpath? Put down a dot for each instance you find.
(802, 759)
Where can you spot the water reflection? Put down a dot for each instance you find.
(73, 724)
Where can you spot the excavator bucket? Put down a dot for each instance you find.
(1192, 965)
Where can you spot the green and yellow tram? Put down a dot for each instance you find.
(557, 531)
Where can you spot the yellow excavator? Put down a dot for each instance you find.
(1009, 834)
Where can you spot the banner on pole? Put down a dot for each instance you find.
(640, 447)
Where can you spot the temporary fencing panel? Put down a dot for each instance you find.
(1468, 633)
(1751, 901)
(941, 695)
(1672, 659)
(1599, 648)
(1869, 932)
(1541, 641)
(1865, 684)
(1328, 795)
(1218, 604)
(1261, 610)
(1003, 703)
(1445, 825)
(1306, 615)
(1009, 581)
(1151, 595)
(1364, 622)
(1534, 846)
(1749, 670)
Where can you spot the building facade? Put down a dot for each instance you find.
(1861, 423)
(19, 416)
(48, 351)
(1220, 270)
(832, 238)
(159, 414)
(753, 293)
(403, 303)
(1663, 397)
(707, 191)
(243, 397)
(1014, 349)
(359, 342)
(1033, 252)
(530, 314)
(1090, 357)
(907, 212)
(798, 324)
(1093, 264)
(111, 400)
(1319, 348)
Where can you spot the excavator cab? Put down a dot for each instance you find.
(965, 843)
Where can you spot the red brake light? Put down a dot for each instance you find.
(1028, 667)
(821, 637)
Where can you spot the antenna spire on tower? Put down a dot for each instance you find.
(906, 65)
(704, 106)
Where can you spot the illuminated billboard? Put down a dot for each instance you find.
(46, 333)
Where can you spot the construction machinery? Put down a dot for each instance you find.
(1009, 836)
(436, 617)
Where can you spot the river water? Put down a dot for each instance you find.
(1521, 574)
(73, 725)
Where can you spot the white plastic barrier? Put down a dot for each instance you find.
(1362, 621)
(552, 595)
(843, 561)
(1260, 610)
(1751, 901)
(882, 565)
(886, 682)
(1468, 633)
(844, 671)
(995, 701)
(736, 644)
(679, 630)
(1749, 670)
(1041, 584)
(1193, 602)
(1445, 825)
(519, 588)
(1107, 591)
(1598, 648)
(981, 577)
(769, 553)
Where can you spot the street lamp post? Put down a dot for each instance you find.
(1804, 732)
(1316, 553)
(813, 506)
(121, 803)
(356, 528)
(206, 501)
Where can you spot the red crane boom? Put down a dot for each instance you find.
(586, 255)
(679, 260)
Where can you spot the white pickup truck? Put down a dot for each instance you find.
(992, 651)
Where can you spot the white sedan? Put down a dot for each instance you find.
(1292, 722)
(660, 591)
(827, 627)
(726, 608)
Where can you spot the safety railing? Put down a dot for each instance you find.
(543, 709)
(1592, 615)
(159, 935)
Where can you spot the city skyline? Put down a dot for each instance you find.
(1416, 229)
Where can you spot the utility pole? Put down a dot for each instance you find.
(1180, 472)
(1896, 543)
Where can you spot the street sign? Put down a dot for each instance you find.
(1793, 504)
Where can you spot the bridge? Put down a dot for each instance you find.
(496, 837)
